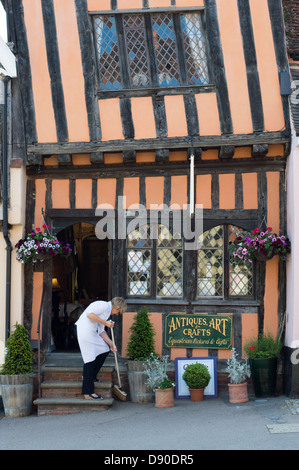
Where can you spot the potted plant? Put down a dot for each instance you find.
(159, 382)
(261, 245)
(38, 246)
(263, 353)
(197, 378)
(15, 377)
(140, 347)
(238, 372)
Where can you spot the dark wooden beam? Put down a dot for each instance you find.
(204, 142)
(226, 151)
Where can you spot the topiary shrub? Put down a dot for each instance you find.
(141, 343)
(196, 376)
(19, 358)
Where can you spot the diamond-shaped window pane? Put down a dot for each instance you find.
(210, 273)
(108, 53)
(137, 50)
(139, 272)
(240, 271)
(166, 239)
(195, 50)
(169, 272)
(165, 49)
(140, 238)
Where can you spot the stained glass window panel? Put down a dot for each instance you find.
(195, 49)
(108, 53)
(165, 49)
(240, 271)
(137, 50)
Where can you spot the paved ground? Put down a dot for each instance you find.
(212, 424)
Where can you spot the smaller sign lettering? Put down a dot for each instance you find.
(198, 331)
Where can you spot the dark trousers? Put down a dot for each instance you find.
(90, 370)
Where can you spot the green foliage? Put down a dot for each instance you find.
(19, 358)
(265, 346)
(141, 342)
(155, 368)
(196, 376)
(166, 383)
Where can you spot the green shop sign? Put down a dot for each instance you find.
(198, 331)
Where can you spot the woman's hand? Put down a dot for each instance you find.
(110, 324)
(113, 348)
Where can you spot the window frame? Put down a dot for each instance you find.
(184, 87)
(189, 259)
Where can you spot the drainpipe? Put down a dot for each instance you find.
(5, 213)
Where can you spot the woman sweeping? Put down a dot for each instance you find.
(93, 340)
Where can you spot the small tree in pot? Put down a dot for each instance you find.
(197, 378)
(237, 372)
(15, 377)
(140, 347)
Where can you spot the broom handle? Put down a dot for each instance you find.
(115, 356)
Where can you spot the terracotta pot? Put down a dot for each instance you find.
(238, 393)
(196, 394)
(164, 398)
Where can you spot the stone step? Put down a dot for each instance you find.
(69, 373)
(60, 406)
(59, 389)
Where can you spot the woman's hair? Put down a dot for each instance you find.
(119, 303)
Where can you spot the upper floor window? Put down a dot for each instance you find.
(150, 50)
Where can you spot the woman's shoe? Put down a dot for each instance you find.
(93, 396)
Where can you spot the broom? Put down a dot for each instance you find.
(117, 389)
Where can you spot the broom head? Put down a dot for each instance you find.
(119, 393)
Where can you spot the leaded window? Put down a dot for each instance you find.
(219, 274)
(150, 50)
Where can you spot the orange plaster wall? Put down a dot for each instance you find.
(249, 327)
(159, 3)
(145, 157)
(94, 5)
(177, 155)
(179, 190)
(235, 68)
(156, 321)
(111, 158)
(227, 191)
(175, 116)
(250, 190)
(131, 192)
(71, 70)
(125, 4)
(189, 3)
(81, 159)
(36, 300)
(40, 197)
(44, 113)
(107, 191)
(267, 66)
(273, 200)
(271, 296)
(154, 190)
(208, 116)
(110, 118)
(143, 118)
(83, 193)
(60, 194)
(204, 191)
(51, 161)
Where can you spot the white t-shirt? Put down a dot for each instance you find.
(88, 332)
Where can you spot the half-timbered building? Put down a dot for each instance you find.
(130, 105)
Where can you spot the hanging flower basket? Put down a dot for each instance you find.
(261, 246)
(39, 246)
